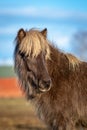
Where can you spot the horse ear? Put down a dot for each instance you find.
(44, 32)
(21, 34)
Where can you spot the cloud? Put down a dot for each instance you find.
(45, 12)
(8, 30)
(7, 61)
(63, 42)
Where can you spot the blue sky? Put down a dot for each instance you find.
(62, 18)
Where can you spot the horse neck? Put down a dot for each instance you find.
(58, 63)
(58, 58)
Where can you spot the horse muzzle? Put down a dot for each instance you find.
(45, 85)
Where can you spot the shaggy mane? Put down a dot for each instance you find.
(73, 61)
(34, 43)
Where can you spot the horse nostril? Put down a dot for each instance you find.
(47, 83)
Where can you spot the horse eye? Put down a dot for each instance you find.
(21, 54)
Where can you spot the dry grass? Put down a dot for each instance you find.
(18, 114)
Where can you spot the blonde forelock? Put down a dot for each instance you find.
(34, 43)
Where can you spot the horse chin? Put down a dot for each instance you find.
(30, 97)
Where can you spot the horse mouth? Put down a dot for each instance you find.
(44, 89)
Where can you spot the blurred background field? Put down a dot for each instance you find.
(7, 71)
(16, 113)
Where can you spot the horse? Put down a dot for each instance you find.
(55, 82)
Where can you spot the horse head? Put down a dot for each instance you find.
(31, 54)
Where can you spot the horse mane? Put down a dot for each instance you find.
(73, 61)
(34, 43)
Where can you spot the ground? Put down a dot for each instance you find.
(18, 114)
